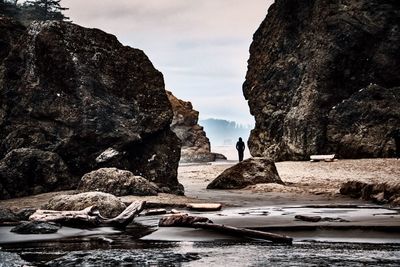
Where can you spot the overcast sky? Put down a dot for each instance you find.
(201, 46)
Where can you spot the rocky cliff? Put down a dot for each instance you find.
(323, 77)
(85, 98)
(195, 144)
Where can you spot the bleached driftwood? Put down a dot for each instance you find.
(184, 220)
(204, 206)
(322, 157)
(89, 216)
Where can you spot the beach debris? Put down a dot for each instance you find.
(181, 220)
(204, 223)
(308, 218)
(155, 212)
(204, 206)
(36, 227)
(89, 216)
(326, 158)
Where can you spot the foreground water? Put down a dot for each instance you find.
(348, 236)
(127, 251)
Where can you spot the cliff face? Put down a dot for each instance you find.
(81, 95)
(323, 77)
(195, 144)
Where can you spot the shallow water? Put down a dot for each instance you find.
(375, 241)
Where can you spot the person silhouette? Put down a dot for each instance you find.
(396, 136)
(240, 148)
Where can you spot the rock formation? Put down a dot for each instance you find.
(248, 172)
(117, 182)
(323, 77)
(195, 144)
(81, 95)
(381, 193)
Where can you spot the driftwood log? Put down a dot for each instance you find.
(89, 216)
(184, 220)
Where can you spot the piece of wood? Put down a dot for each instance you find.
(155, 212)
(89, 216)
(322, 157)
(308, 218)
(181, 220)
(184, 220)
(204, 206)
(243, 232)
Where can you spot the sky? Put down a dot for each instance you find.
(200, 46)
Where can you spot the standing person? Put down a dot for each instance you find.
(240, 148)
(396, 136)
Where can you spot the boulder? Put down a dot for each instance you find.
(27, 171)
(117, 182)
(248, 172)
(109, 205)
(6, 215)
(28, 228)
(81, 94)
(195, 144)
(323, 78)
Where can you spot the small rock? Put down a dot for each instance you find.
(24, 214)
(36, 228)
(6, 215)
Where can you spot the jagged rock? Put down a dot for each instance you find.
(115, 257)
(380, 193)
(248, 172)
(82, 95)
(6, 215)
(9, 259)
(24, 214)
(195, 144)
(310, 67)
(36, 228)
(109, 205)
(117, 182)
(27, 171)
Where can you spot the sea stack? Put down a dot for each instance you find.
(79, 97)
(323, 77)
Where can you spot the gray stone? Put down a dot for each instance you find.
(117, 182)
(248, 172)
(6, 215)
(8, 259)
(309, 75)
(28, 228)
(109, 205)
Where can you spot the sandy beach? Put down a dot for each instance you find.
(306, 182)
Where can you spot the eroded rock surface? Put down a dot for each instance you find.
(195, 144)
(323, 77)
(117, 182)
(248, 172)
(382, 193)
(109, 205)
(82, 95)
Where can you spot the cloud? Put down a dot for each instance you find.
(200, 46)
